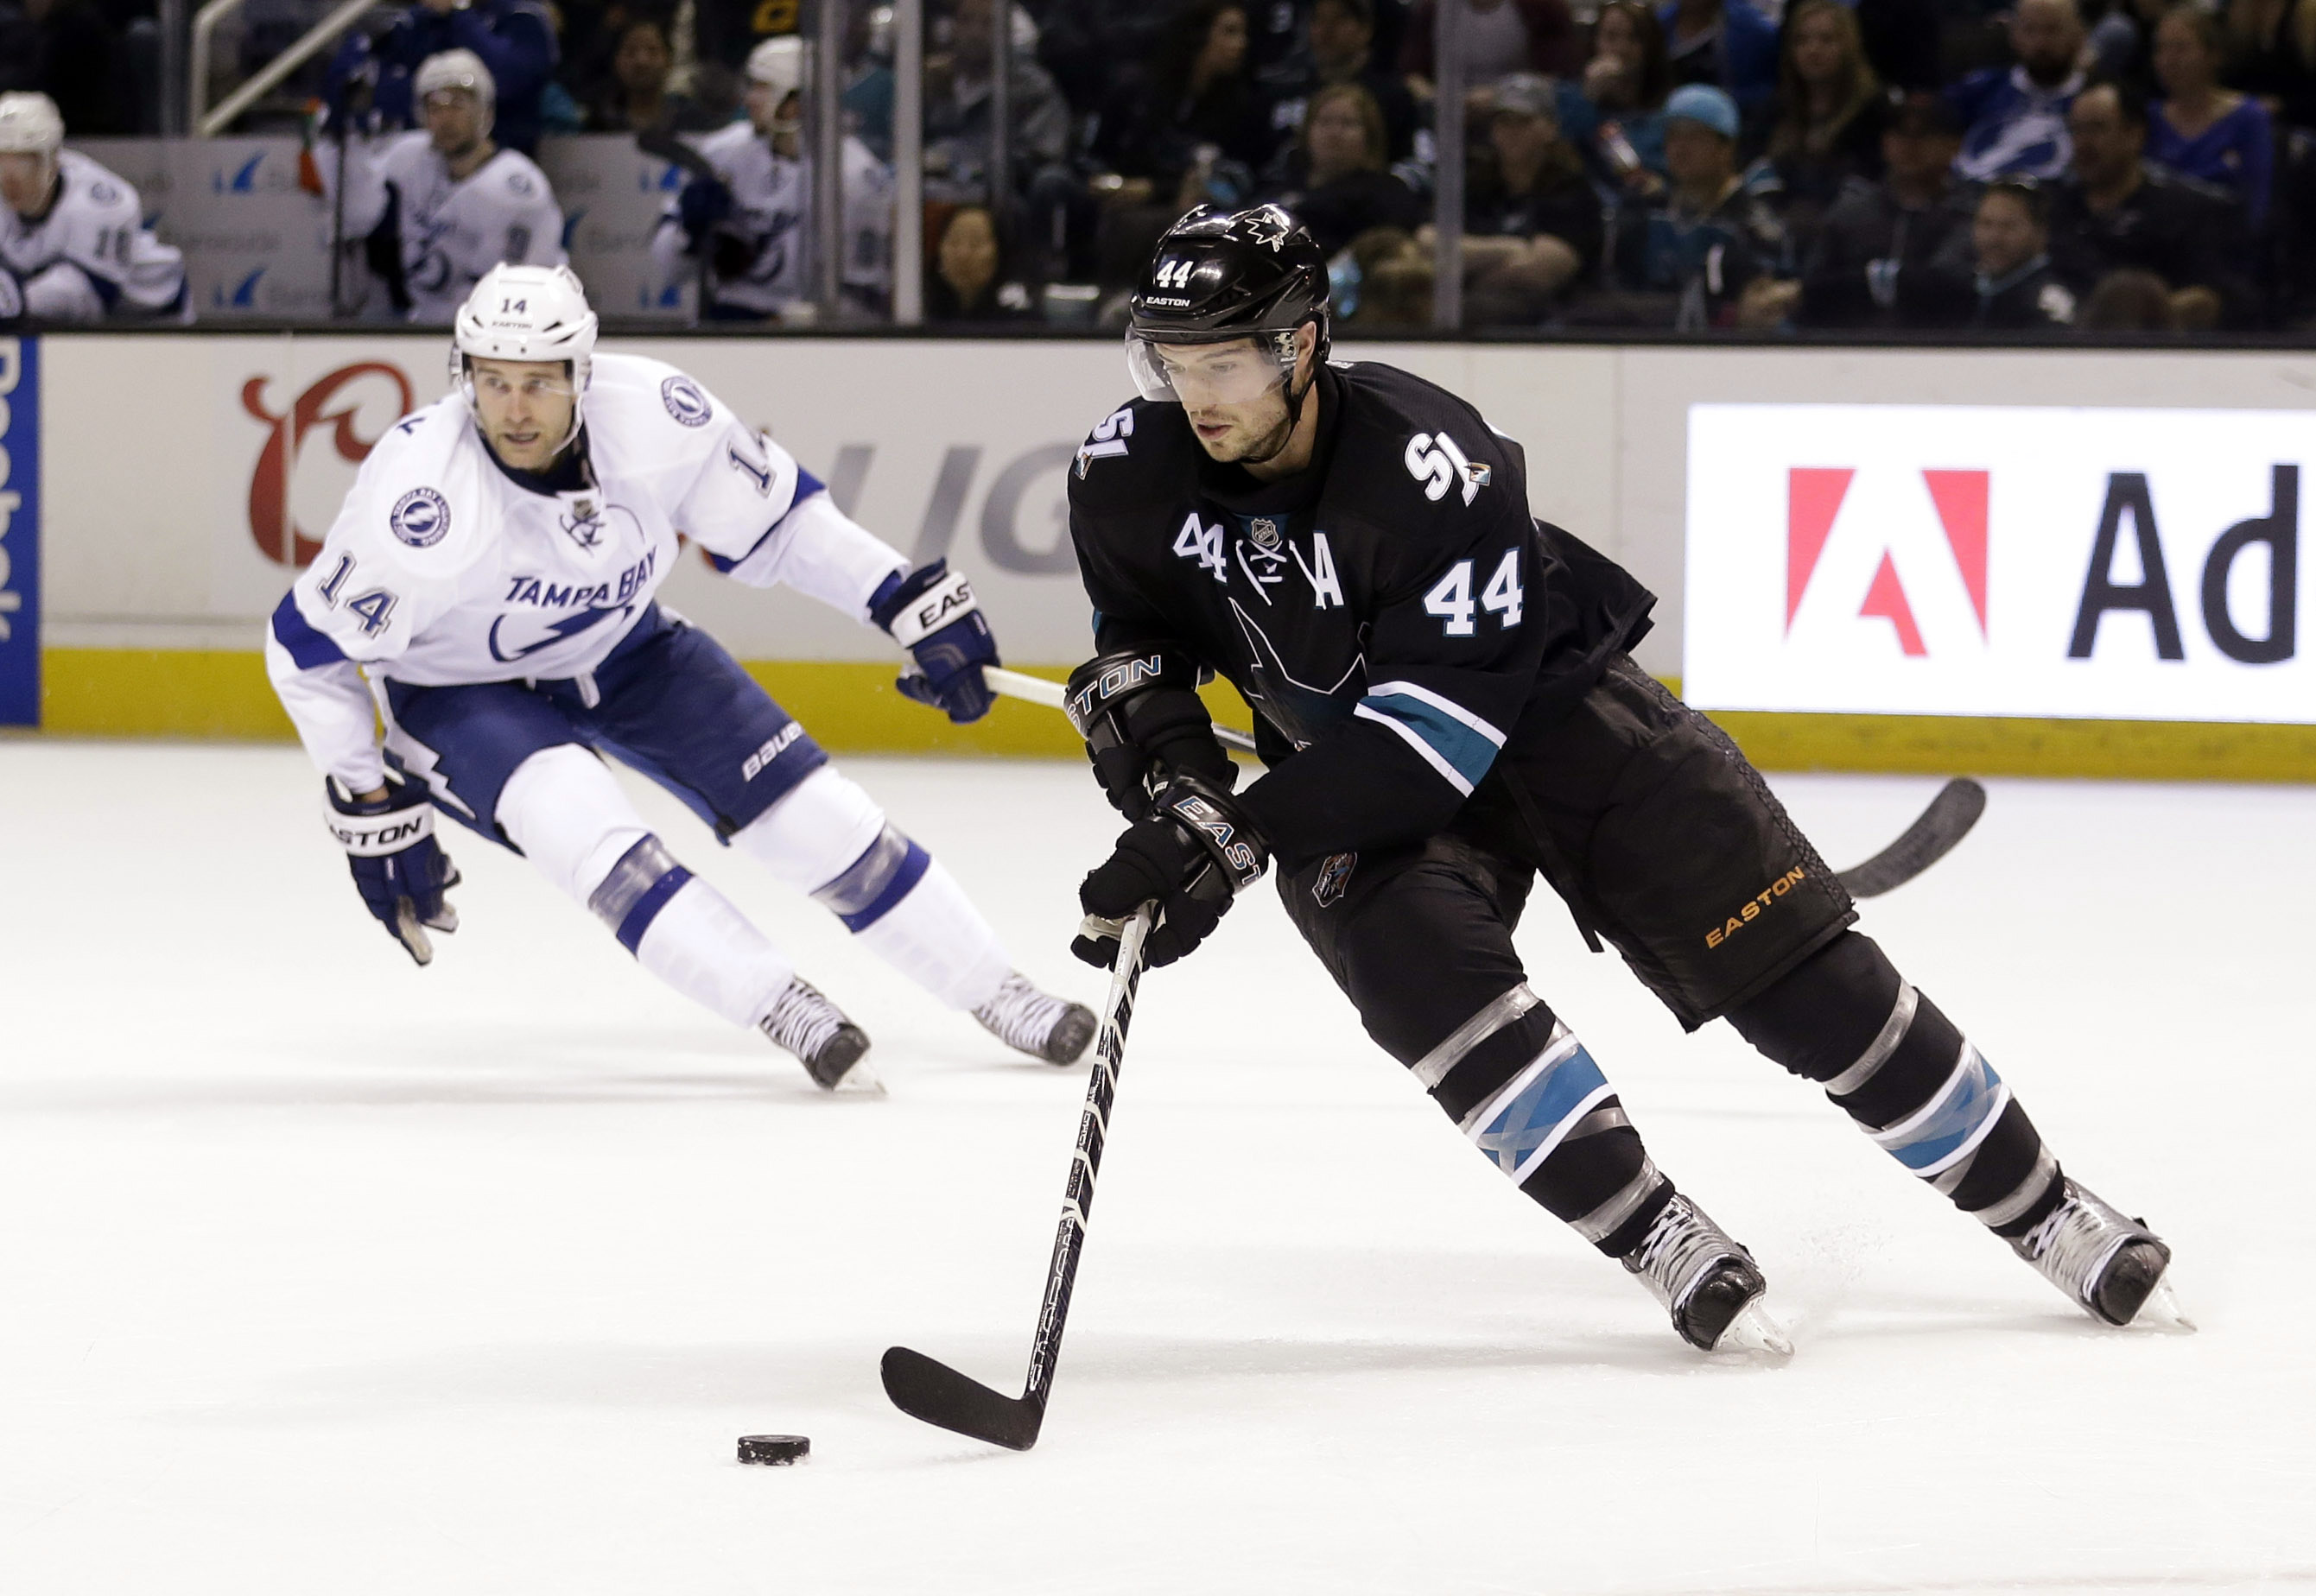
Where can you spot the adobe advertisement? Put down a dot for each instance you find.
(2103, 564)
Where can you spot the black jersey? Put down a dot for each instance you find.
(1393, 612)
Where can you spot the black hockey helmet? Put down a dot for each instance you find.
(1220, 275)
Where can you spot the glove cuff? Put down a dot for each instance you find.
(1214, 821)
(383, 826)
(923, 602)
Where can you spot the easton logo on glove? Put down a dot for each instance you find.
(376, 837)
(1232, 852)
(947, 601)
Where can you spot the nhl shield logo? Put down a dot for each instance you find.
(685, 401)
(1334, 876)
(420, 518)
(1265, 533)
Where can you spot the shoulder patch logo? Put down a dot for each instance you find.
(685, 401)
(1434, 459)
(420, 518)
(1108, 440)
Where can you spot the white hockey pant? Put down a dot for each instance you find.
(829, 837)
(565, 812)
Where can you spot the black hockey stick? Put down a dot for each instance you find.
(1931, 837)
(938, 1394)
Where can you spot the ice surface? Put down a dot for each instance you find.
(322, 1274)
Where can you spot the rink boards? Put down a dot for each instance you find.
(1868, 559)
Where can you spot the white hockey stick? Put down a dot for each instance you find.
(1036, 689)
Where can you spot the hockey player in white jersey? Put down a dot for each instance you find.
(492, 570)
(753, 220)
(459, 204)
(74, 246)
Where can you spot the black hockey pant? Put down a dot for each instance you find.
(1666, 844)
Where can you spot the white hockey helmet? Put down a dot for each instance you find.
(31, 125)
(780, 66)
(457, 69)
(526, 313)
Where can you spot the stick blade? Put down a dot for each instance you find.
(1933, 835)
(938, 1394)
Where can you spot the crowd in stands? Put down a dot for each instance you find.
(1690, 165)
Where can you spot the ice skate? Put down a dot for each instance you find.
(2112, 1267)
(1043, 1026)
(1708, 1283)
(816, 1032)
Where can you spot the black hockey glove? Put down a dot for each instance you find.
(931, 612)
(398, 869)
(1194, 855)
(703, 203)
(1143, 725)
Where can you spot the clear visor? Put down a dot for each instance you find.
(1198, 374)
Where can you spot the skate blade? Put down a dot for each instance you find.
(860, 1081)
(1753, 1332)
(2161, 1311)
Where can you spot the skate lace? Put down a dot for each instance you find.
(1020, 1015)
(1679, 1248)
(803, 1020)
(2075, 1240)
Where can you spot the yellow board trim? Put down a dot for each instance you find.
(853, 707)
(849, 707)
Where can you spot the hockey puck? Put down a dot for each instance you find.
(775, 1448)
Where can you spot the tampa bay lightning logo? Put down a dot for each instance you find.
(420, 518)
(685, 401)
(507, 649)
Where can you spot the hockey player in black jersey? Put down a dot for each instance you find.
(1447, 708)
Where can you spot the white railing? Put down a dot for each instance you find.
(208, 123)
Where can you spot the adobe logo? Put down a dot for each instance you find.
(1813, 499)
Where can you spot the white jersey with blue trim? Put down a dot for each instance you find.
(452, 229)
(443, 569)
(90, 254)
(771, 222)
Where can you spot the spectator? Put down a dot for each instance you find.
(2128, 302)
(1616, 118)
(1706, 253)
(67, 50)
(2201, 130)
(1337, 186)
(636, 99)
(2120, 213)
(968, 281)
(1501, 37)
(1384, 280)
(745, 233)
(1830, 114)
(514, 38)
(1341, 51)
(1874, 263)
(2121, 43)
(957, 101)
(2014, 287)
(1726, 43)
(1531, 222)
(2272, 56)
(2016, 117)
(73, 245)
(1192, 130)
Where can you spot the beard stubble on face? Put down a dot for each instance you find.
(1259, 431)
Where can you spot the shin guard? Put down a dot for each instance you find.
(1524, 1091)
(689, 935)
(1894, 1063)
